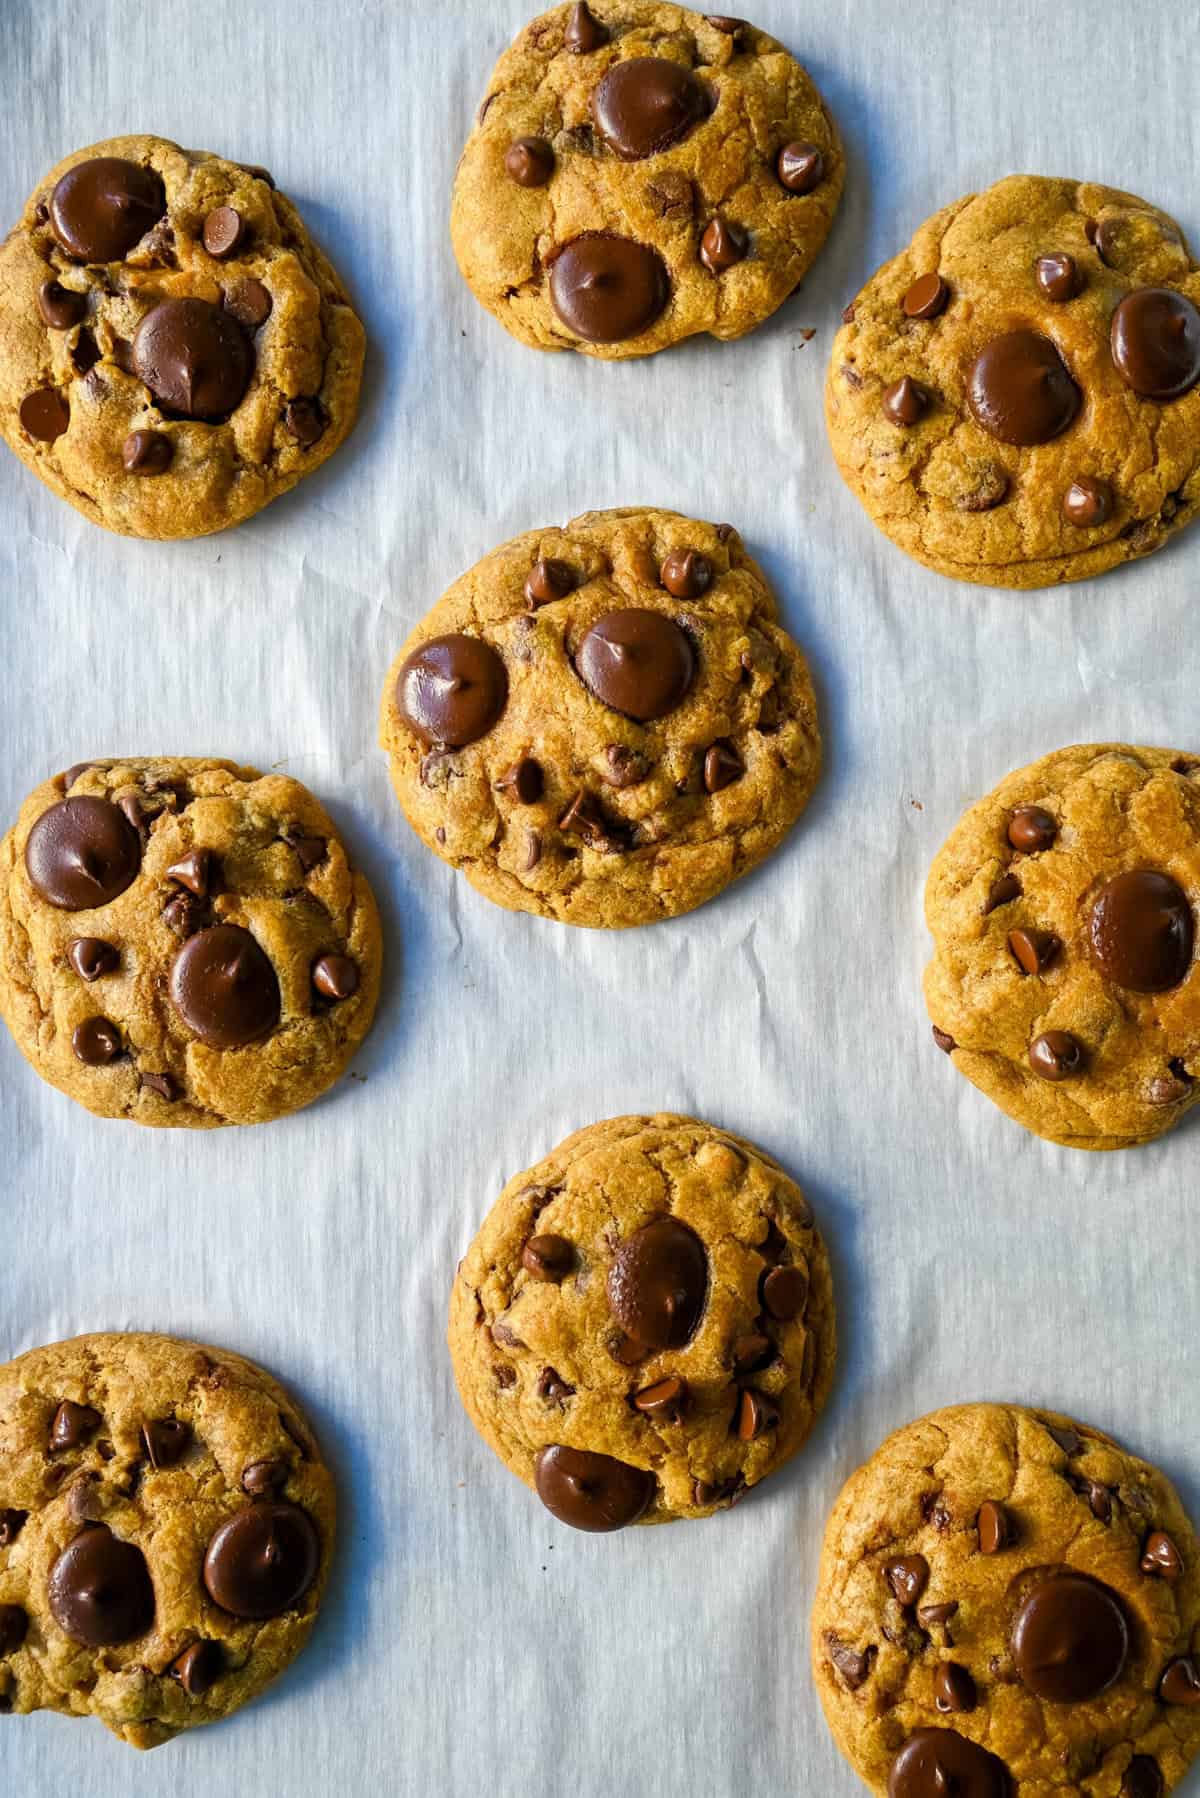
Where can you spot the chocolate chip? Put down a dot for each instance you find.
(1002, 892)
(1056, 1055)
(722, 766)
(11, 1524)
(162, 1084)
(927, 297)
(92, 958)
(936, 1616)
(549, 579)
(853, 1665)
(944, 1041)
(908, 1577)
(529, 161)
(198, 1667)
(800, 167)
(906, 401)
(192, 871)
(72, 1424)
(1020, 390)
(335, 977)
(552, 1388)
(548, 1257)
(638, 662)
(606, 288)
(994, 1526)
(1180, 1683)
(665, 1401)
(754, 1415)
(165, 1441)
(1141, 931)
(262, 1560)
(1087, 502)
(954, 1689)
(1161, 1558)
(184, 915)
(1099, 1498)
(309, 851)
(304, 420)
(1058, 277)
(533, 851)
(258, 171)
(590, 1491)
(644, 104)
(658, 1283)
(96, 1042)
(225, 232)
(626, 767)
(939, 1763)
(1068, 1439)
(1171, 1087)
(1142, 1779)
(102, 207)
(261, 1477)
(752, 1353)
(722, 22)
(44, 414)
(249, 301)
(723, 245)
(1031, 830)
(686, 574)
(991, 489)
(1033, 950)
(99, 1590)
(785, 1292)
(147, 453)
(671, 195)
(584, 32)
(13, 1624)
(524, 780)
(1155, 340)
(1070, 1640)
(194, 358)
(583, 817)
(224, 987)
(452, 689)
(60, 307)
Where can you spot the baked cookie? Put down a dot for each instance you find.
(1009, 1606)
(184, 941)
(1015, 399)
(1062, 908)
(604, 724)
(166, 1527)
(644, 1325)
(639, 173)
(175, 352)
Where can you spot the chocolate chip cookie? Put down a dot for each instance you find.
(1009, 1605)
(166, 1527)
(644, 1326)
(175, 352)
(183, 942)
(639, 173)
(1063, 982)
(604, 724)
(1015, 399)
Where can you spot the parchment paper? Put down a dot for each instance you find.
(470, 1645)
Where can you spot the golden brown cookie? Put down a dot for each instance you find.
(175, 352)
(604, 724)
(639, 173)
(183, 942)
(1015, 398)
(166, 1528)
(1009, 1606)
(644, 1326)
(1063, 982)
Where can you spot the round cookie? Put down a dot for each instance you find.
(604, 724)
(1063, 912)
(1009, 1605)
(183, 942)
(639, 173)
(175, 352)
(1015, 399)
(166, 1528)
(644, 1326)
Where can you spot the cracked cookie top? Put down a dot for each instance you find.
(1063, 910)
(166, 1527)
(183, 942)
(639, 173)
(175, 351)
(1009, 1605)
(1015, 398)
(604, 724)
(644, 1326)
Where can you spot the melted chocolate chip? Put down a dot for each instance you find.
(249, 301)
(1088, 502)
(101, 208)
(1056, 1055)
(165, 1440)
(1155, 341)
(529, 161)
(1031, 830)
(646, 103)
(800, 167)
(13, 1625)
(60, 307)
(1141, 932)
(262, 1477)
(1070, 1640)
(452, 690)
(72, 1424)
(1180, 1683)
(262, 1560)
(199, 1667)
(905, 402)
(548, 1257)
(584, 32)
(1033, 950)
(524, 780)
(548, 580)
(853, 1664)
(1142, 1779)
(658, 1284)
(192, 871)
(590, 1491)
(92, 958)
(686, 574)
(939, 1763)
(994, 1526)
(954, 1689)
(928, 297)
(44, 414)
(147, 453)
(224, 987)
(723, 245)
(195, 359)
(785, 1292)
(11, 1524)
(665, 1401)
(607, 289)
(1020, 390)
(908, 1577)
(1161, 1558)
(754, 1414)
(1002, 892)
(100, 1591)
(1058, 277)
(96, 1042)
(638, 662)
(722, 766)
(304, 420)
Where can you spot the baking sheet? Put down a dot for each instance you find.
(469, 1643)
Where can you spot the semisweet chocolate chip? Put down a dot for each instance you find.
(249, 301)
(990, 489)
(590, 1491)
(160, 1084)
(552, 1388)
(722, 766)
(262, 1560)
(452, 689)
(199, 1667)
(11, 1524)
(1099, 1498)
(752, 1353)
(547, 580)
(928, 297)
(1020, 390)
(954, 1689)
(686, 574)
(13, 1624)
(626, 767)
(304, 420)
(665, 1401)
(262, 1477)
(1067, 1438)
(1031, 829)
(1088, 502)
(1002, 892)
(1161, 1558)
(908, 1577)
(995, 1528)
(44, 414)
(99, 1590)
(1058, 277)
(944, 1041)
(1033, 950)
(309, 851)
(723, 245)
(658, 1284)
(335, 977)
(224, 988)
(800, 167)
(905, 402)
(606, 288)
(72, 1425)
(671, 195)
(96, 1042)
(584, 32)
(583, 817)
(638, 662)
(147, 453)
(92, 958)
(192, 871)
(225, 232)
(184, 915)
(529, 161)
(524, 780)
(548, 1257)
(937, 1616)
(533, 851)
(939, 1763)
(1142, 1779)
(102, 207)
(1056, 1055)
(722, 22)
(785, 1292)
(1141, 931)
(1070, 1639)
(194, 358)
(754, 1415)
(165, 1441)
(853, 1665)
(1155, 340)
(60, 307)
(1180, 1683)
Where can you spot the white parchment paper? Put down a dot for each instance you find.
(469, 1644)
